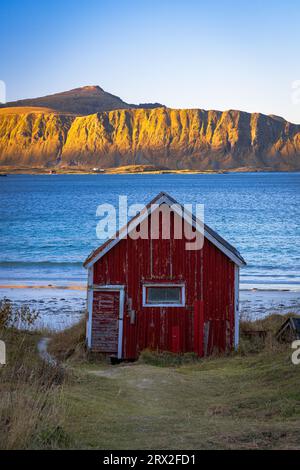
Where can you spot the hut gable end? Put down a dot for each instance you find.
(155, 293)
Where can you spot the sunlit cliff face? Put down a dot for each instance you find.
(174, 138)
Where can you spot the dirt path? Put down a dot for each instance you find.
(227, 403)
(42, 348)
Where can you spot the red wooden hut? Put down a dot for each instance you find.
(153, 293)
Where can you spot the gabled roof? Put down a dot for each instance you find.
(164, 198)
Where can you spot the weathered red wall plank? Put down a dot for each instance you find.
(208, 276)
(105, 327)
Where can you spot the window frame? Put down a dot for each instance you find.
(163, 304)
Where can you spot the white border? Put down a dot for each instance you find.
(236, 307)
(112, 288)
(166, 304)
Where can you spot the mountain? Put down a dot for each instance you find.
(45, 133)
(80, 101)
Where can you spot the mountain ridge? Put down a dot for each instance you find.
(164, 137)
(85, 100)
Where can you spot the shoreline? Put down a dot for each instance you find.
(48, 286)
(82, 286)
(61, 306)
(132, 170)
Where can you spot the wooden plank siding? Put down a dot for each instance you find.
(105, 322)
(208, 276)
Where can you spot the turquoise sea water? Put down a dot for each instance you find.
(48, 222)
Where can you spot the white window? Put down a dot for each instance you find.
(162, 295)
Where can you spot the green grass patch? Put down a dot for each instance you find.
(249, 399)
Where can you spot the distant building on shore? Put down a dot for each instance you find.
(98, 170)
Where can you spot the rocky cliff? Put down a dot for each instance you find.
(170, 138)
(189, 138)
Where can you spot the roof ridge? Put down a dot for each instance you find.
(215, 238)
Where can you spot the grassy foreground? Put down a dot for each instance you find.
(248, 400)
(237, 402)
(32, 409)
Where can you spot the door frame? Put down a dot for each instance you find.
(236, 306)
(106, 288)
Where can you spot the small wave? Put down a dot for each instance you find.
(26, 264)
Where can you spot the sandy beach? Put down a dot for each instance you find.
(59, 306)
(63, 305)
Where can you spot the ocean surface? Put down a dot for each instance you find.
(48, 224)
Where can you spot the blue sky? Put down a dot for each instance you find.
(217, 54)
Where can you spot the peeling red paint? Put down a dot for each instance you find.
(204, 324)
(105, 324)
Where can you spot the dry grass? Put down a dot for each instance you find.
(70, 343)
(271, 323)
(166, 358)
(247, 400)
(234, 402)
(32, 410)
(269, 344)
